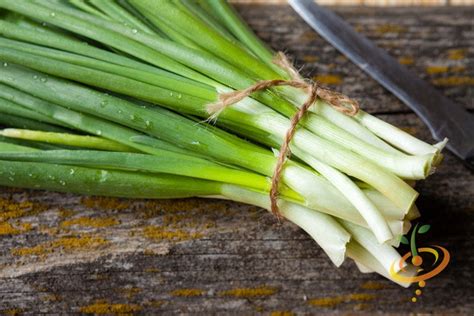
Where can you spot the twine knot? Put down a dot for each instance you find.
(337, 100)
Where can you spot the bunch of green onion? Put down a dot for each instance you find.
(109, 97)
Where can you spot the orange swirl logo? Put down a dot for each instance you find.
(439, 261)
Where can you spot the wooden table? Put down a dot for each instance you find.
(66, 254)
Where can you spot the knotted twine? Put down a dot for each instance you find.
(337, 100)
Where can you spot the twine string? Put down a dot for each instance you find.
(285, 149)
(337, 100)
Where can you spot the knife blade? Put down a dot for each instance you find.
(443, 117)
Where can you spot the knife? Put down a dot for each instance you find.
(443, 117)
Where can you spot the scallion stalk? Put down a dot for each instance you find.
(67, 139)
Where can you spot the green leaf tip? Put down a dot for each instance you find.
(423, 229)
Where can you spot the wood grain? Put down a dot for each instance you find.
(67, 254)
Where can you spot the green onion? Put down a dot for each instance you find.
(192, 137)
(21, 122)
(112, 99)
(65, 139)
(332, 238)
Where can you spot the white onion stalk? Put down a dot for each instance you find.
(385, 254)
(324, 229)
(354, 194)
(368, 263)
(396, 136)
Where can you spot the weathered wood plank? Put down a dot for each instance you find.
(65, 254)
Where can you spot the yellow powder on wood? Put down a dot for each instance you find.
(8, 229)
(90, 222)
(102, 308)
(25, 227)
(250, 292)
(106, 203)
(431, 70)
(281, 313)
(336, 300)
(82, 242)
(457, 54)
(361, 297)
(129, 292)
(29, 251)
(160, 233)
(10, 209)
(406, 61)
(389, 28)
(371, 285)
(65, 213)
(12, 312)
(187, 292)
(328, 79)
(454, 81)
(64, 243)
(155, 304)
(327, 301)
